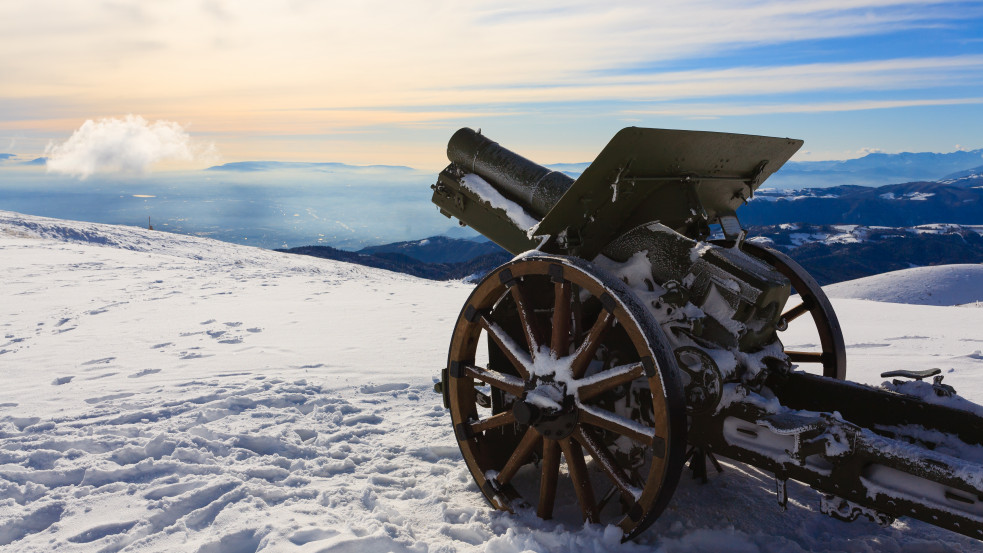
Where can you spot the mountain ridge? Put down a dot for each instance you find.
(256, 166)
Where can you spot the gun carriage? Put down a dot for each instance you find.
(622, 343)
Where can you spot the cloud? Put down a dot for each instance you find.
(712, 110)
(128, 145)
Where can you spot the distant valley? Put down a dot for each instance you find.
(830, 253)
(339, 211)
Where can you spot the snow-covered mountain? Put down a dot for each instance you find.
(172, 393)
(874, 169)
(943, 285)
(896, 205)
(835, 253)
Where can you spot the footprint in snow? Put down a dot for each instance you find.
(23, 422)
(383, 388)
(38, 521)
(104, 375)
(144, 372)
(110, 397)
(302, 537)
(171, 490)
(99, 532)
(103, 361)
(245, 541)
(868, 345)
(305, 434)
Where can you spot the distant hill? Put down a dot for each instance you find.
(830, 253)
(941, 285)
(896, 205)
(438, 249)
(253, 166)
(874, 169)
(834, 253)
(390, 257)
(12, 159)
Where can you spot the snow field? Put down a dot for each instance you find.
(944, 285)
(169, 393)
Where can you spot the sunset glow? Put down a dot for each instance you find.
(388, 82)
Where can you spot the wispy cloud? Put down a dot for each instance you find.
(128, 145)
(727, 109)
(251, 68)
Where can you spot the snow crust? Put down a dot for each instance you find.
(170, 393)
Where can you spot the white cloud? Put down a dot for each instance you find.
(128, 145)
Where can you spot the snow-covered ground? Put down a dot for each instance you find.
(938, 285)
(168, 393)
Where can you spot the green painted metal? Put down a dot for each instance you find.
(456, 200)
(683, 179)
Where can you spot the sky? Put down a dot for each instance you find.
(386, 82)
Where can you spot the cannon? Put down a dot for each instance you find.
(636, 332)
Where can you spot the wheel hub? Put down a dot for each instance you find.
(547, 407)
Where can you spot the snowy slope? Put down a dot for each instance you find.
(168, 393)
(941, 285)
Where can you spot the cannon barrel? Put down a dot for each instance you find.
(534, 187)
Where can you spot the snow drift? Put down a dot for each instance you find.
(939, 285)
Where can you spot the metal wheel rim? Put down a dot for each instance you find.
(641, 505)
(814, 301)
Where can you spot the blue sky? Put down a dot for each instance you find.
(389, 82)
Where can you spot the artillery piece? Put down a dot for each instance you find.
(623, 342)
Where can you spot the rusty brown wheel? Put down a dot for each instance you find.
(580, 403)
(812, 301)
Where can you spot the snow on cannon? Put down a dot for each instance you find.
(622, 343)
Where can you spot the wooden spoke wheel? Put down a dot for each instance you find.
(580, 403)
(813, 301)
